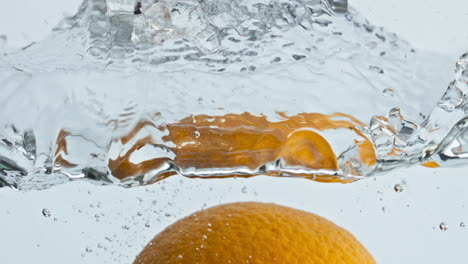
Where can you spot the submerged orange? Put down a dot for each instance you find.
(255, 233)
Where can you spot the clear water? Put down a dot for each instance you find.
(106, 95)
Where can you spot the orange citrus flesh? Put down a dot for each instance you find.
(247, 140)
(254, 233)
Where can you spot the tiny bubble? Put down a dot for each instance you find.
(443, 226)
(388, 92)
(46, 212)
(398, 188)
(244, 189)
(462, 224)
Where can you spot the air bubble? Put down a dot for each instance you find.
(398, 188)
(244, 189)
(443, 226)
(462, 225)
(388, 92)
(46, 212)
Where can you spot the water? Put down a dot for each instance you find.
(221, 89)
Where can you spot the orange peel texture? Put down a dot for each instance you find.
(254, 233)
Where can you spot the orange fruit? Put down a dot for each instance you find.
(254, 233)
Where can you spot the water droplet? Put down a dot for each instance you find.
(388, 92)
(398, 188)
(46, 212)
(443, 226)
(196, 134)
(462, 224)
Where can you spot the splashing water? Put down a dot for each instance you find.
(132, 92)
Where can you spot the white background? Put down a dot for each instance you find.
(89, 223)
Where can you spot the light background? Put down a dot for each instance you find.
(90, 224)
